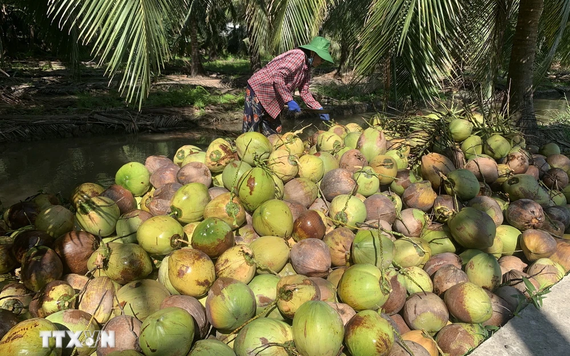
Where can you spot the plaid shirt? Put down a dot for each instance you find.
(275, 83)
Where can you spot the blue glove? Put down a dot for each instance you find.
(293, 106)
(325, 117)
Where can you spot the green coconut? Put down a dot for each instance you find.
(311, 167)
(273, 218)
(160, 235)
(351, 139)
(367, 181)
(264, 336)
(283, 165)
(472, 146)
(255, 187)
(253, 146)
(168, 331)
(135, 177)
(463, 183)
(189, 202)
(468, 303)
(56, 220)
(232, 173)
(472, 228)
(371, 247)
(271, 253)
(191, 272)
(208, 347)
(460, 129)
(483, 270)
(312, 320)
(218, 155)
(329, 161)
(76, 321)
(411, 251)
(293, 290)
(213, 236)
(140, 298)
(368, 333)
(497, 146)
(25, 339)
(416, 280)
(371, 143)
(361, 287)
(230, 303)
(347, 210)
(98, 215)
(439, 241)
(328, 141)
(183, 152)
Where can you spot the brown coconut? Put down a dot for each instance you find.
(509, 263)
(432, 165)
(518, 161)
(533, 171)
(297, 209)
(127, 331)
(419, 195)
(525, 214)
(123, 197)
(559, 161)
(311, 257)
(444, 206)
(339, 242)
(537, 244)
(414, 347)
(345, 311)
(440, 260)
(555, 178)
(459, 338)
(540, 162)
(380, 207)
(421, 307)
(397, 297)
(164, 175)
(154, 162)
(308, 225)
(446, 277)
(195, 172)
(352, 160)
(484, 168)
(194, 308)
(336, 182)
(74, 248)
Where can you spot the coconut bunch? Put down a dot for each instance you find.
(361, 240)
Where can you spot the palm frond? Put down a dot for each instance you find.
(422, 35)
(128, 36)
(554, 22)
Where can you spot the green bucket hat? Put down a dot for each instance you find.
(320, 46)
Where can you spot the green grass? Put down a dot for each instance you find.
(347, 93)
(229, 67)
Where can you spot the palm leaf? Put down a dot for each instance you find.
(554, 22)
(128, 36)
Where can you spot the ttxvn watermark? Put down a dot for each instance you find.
(85, 338)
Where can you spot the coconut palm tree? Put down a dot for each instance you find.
(434, 40)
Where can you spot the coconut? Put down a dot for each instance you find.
(191, 271)
(485, 169)
(380, 207)
(311, 257)
(468, 303)
(82, 192)
(518, 161)
(462, 183)
(413, 347)
(550, 148)
(230, 303)
(460, 129)
(371, 143)
(313, 319)
(236, 262)
(98, 298)
(347, 210)
(40, 265)
(301, 190)
(252, 146)
(460, 338)
(360, 287)
(489, 206)
(438, 238)
(293, 291)
(537, 244)
(426, 342)
(371, 247)
(367, 333)
(416, 280)
(261, 336)
(472, 228)
(271, 253)
(432, 165)
(411, 251)
(339, 242)
(525, 214)
(484, 270)
(559, 161)
(497, 146)
(397, 297)
(446, 277)
(419, 195)
(255, 187)
(437, 261)
(308, 225)
(445, 207)
(289, 141)
(555, 178)
(411, 222)
(404, 177)
(337, 181)
(425, 311)
(352, 160)
(57, 220)
(160, 235)
(472, 146)
(385, 167)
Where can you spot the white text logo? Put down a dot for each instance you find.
(86, 338)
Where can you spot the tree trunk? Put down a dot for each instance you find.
(196, 67)
(522, 64)
(254, 58)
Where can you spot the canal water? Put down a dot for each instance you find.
(58, 166)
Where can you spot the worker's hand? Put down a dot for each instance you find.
(324, 117)
(293, 106)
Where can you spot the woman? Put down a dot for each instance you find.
(272, 87)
